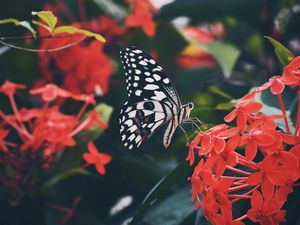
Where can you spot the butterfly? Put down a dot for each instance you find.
(152, 100)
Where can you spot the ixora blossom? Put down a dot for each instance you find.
(90, 67)
(254, 161)
(141, 16)
(37, 137)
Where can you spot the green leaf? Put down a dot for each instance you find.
(163, 185)
(225, 54)
(166, 212)
(283, 54)
(48, 17)
(53, 181)
(105, 112)
(74, 30)
(10, 20)
(16, 22)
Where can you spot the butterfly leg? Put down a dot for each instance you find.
(186, 137)
(193, 122)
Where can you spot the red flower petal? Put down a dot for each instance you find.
(267, 188)
(251, 150)
(233, 142)
(277, 177)
(289, 161)
(252, 107)
(277, 87)
(241, 120)
(263, 139)
(254, 178)
(219, 145)
(231, 116)
(256, 200)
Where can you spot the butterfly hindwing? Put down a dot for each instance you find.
(146, 79)
(139, 120)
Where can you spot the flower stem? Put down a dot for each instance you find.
(298, 115)
(238, 171)
(284, 112)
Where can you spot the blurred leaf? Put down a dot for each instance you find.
(3, 49)
(16, 22)
(74, 30)
(111, 8)
(105, 112)
(218, 91)
(163, 185)
(225, 106)
(283, 54)
(270, 108)
(53, 181)
(225, 54)
(48, 17)
(166, 212)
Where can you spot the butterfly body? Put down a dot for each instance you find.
(152, 100)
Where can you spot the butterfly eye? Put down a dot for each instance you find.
(191, 105)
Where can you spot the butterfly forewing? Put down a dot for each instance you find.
(152, 99)
(145, 78)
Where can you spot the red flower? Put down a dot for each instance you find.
(275, 84)
(94, 157)
(265, 211)
(213, 139)
(253, 139)
(291, 73)
(141, 16)
(87, 71)
(269, 175)
(243, 109)
(9, 88)
(50, 92)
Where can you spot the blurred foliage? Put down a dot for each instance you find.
(245, 59)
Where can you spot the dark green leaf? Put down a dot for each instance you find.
(163, 185)
(166, 212)
(283, 54)
(53, 181)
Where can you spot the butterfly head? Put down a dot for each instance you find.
(187, 110)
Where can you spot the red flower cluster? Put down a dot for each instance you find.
(36, 137)
(253, 161)
(85, 67)
(141, 16)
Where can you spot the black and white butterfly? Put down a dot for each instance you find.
(152, 100)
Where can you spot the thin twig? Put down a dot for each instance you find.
(43, 50)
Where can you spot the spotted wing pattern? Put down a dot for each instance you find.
(145, 78)
(152, 98)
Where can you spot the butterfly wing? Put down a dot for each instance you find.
(146, 79)
(139, 120)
